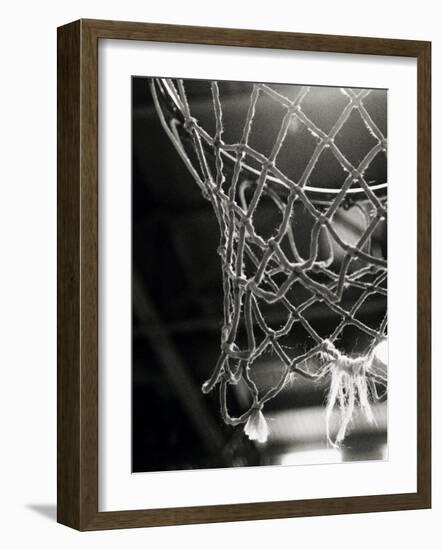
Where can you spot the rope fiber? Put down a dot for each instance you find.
(340, 275)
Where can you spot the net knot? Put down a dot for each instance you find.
(268, 165)
(322, 218)
(328, 141)
(189, 124)
(272, 243)
(241, 281)
(355, 174)
(328, 350)
(241, 149)
(232, 350)
(217, 142)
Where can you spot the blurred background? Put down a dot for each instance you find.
(177, 293)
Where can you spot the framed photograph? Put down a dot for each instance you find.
(243, 274)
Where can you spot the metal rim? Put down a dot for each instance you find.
(169, 103)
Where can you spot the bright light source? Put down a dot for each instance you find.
(381, 351)
(316, 456)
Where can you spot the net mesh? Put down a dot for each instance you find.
(336, 276)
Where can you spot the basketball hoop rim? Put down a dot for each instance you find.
(319, 195)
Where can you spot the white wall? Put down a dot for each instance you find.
(28, 276)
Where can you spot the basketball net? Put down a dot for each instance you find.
(259, 272)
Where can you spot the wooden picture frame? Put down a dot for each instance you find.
(78, 274)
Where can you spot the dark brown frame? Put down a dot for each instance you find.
(78, 267)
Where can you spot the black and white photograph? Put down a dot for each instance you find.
(220, 284)
(259, 249)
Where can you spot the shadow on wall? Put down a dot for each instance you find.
(49, 511)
